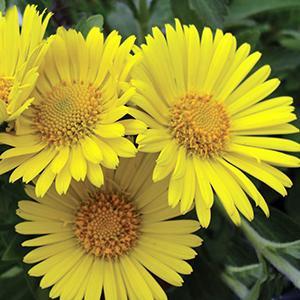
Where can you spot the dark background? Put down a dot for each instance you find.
(260, 261)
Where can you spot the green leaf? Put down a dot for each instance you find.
(290, 39)
(201, 12)
(12, 272)
(240, 9)
(2, 5)
(182, 10)
(278, 240)
(122, 19)
(212, 12)
(84, 26)
(281, 60)
(161, 13)
(14, 251)
(292, 203)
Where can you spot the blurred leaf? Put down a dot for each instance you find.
(84, 26)
(251, 34)
(12, 272)
(240, 9)
(161, 13)
(212, 12)
(182, 10)
(2, 5)
(122, 19)
(14, 251)
(281, 60)
(292, 203)
(204, 283)
(15, 289)
(201, 12)
(290, 39)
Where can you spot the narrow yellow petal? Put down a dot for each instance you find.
(90, 150)
(157, 291)
(141, 287)
(95, 174)
(157, 267)
(189, 183)
(109, 284)
(60, 160)
(44, 182)
(133, 127)
(122, 146)
(257, 170)
(78, 164)
(95, 283)
(204, 187)
(41, 253)
(110, 131)
(270, 156)
(268, 142)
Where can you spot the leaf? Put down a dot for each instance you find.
(292, 203)
(278, 240)
(281, 60)
(84, 26)
(161, 13)
(12, 272)
(204, 283)
(14, 251)
(290, 39)
(182, 10)
(122, 19)
(2, 5)
(212, 12)
(201, 12)
(240, 9)
(15, 289)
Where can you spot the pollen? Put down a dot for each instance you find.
(200, 124)
(68, 113)
(6, 85)
(107, 225)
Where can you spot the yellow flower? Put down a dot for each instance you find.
(72, 126)
(208, 122)
(21, 53)
(108, 240)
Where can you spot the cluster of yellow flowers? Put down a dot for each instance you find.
(104, 215)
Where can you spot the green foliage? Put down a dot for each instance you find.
(241, 9)
(212, 12)
(2, 5)
(260, 260)
(85, 25)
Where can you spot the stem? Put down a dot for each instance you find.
(274, 258)
(143, 19)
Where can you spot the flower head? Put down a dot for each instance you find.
(21, 54)
(108, 240)
(209, 121)
(72, 127)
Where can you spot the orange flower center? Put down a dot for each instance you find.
(107, 225)
(68, 113)
(200, 124)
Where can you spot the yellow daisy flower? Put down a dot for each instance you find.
(72, 126)
(108, 240)
(21, 53)
(208, 122)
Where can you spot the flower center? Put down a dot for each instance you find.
(200, 124)
(107, 225)
(6, 85)
(68, 113)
